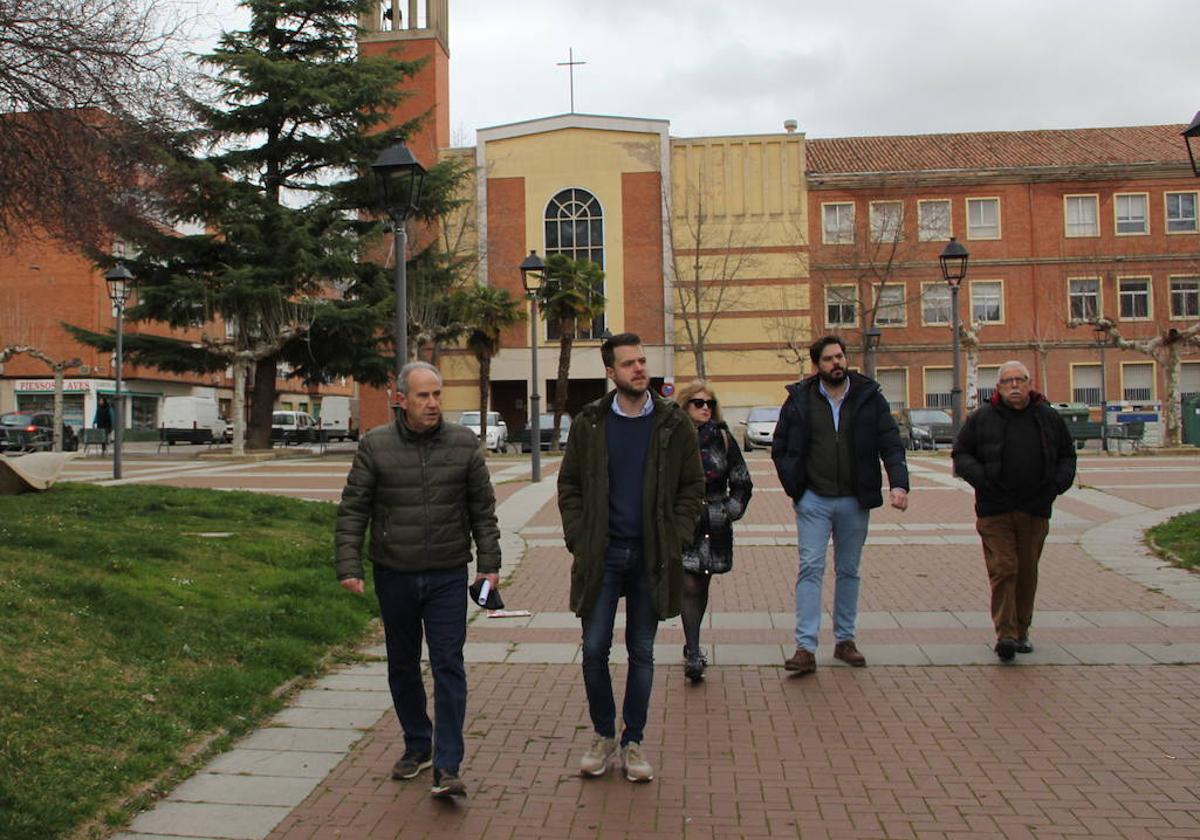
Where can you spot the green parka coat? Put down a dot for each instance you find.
(672, 494)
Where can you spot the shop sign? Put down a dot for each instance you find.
(29, 386)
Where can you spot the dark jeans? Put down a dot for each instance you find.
(624, 574)
(433, 604)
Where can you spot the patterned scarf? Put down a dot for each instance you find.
(710, 453)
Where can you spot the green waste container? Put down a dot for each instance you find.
(1073, 414)
(1191, 420)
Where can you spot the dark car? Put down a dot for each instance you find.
(925, 428)
(545, 432)
(33, 431)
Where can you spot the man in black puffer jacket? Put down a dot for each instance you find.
(423, 487)
(1017, 453)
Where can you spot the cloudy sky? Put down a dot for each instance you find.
(858, 67)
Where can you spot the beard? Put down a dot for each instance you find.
(834, 377)
(632, 390)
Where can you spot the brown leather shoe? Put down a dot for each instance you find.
(847, 651)
(801, 662)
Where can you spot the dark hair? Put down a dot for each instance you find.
(615, 341)
(818, 347)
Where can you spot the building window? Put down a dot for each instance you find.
(1185, 297)
(1137, 381)
(938, 382)
(1181, 212)
(894, 383)
(1135, 297)
(935, 303)
(987, 301)
(574, 224)
(841, 306)
(1189, 380)
(983, 218)
(1131, 214)
(985, 383)
(933, 220)
(889, 306)
(1085, 384)
(1084, 295)
(1083, 215)
(887, 219)
(837, 224)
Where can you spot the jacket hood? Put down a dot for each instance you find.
(857, 380)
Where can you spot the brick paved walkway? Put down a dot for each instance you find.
(944, 743)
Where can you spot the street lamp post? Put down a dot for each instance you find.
(1190, 134)
(871, 339)
(954, 268)
(1101, 341)
(120, 284)
(400, 178)
(533, 272)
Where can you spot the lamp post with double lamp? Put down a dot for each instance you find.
(954, 268)
(400, 179)
(533, 272)
(120, 284)
(871, 339)
(1101, 341)
(1191, 139)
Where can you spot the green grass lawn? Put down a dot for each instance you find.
(1180, 535)
(125, 636)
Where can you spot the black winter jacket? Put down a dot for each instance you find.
(425, 495)
(979, 458)
(865, 415)
(727, 491)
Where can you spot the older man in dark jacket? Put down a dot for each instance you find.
(629, 492)
(1017, 453)
(832, 433)
(424, 488)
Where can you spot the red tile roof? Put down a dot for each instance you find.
(1141, 144)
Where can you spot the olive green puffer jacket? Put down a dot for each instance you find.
(425, 495)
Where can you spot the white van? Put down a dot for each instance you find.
(191, 420)
(339, 418)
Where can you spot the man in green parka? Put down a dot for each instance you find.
(626, 520)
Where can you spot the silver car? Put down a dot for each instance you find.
(760, 427)
(497, 429)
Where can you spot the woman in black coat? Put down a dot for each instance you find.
(727, 493)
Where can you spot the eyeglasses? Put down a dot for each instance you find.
(695, 402)
(1013, 380)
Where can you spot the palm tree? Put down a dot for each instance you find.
(485, 312)
(573, 291)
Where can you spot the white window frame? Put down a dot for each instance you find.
(1145, 230)
(925, 232)
(1153, 380)
(1195, 225)
(1075, 388)
(1081, 200)
(1149, 295)
(878, 221)
(839, 237)
(971, 294)
(1195, 291)
(851, 301)
(925, 392)
(901, 305)
(973, 231)
(1099, 297)
(903, 371)
(942, 287)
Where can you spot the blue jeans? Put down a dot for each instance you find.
(816, 518)
(434, 604)
(624, 574)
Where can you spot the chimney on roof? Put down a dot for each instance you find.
(790, 126)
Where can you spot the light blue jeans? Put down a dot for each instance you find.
(817, 517)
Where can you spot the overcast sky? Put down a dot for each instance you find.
(839, 69)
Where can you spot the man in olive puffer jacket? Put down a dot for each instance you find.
(424, 488)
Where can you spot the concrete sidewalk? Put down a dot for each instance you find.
(1089, 736)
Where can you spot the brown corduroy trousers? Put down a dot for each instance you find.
(1012, 546)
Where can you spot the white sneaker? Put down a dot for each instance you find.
(637, 768)
(595, 760)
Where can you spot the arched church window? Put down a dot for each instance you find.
(574, 223)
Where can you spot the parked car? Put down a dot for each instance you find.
(292, 427)
(760, 427)
(497, 429)
(33, 431)
(546, 432)
(925, 428)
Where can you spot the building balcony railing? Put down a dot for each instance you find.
(1090, 396)
(1137, 394)
(940, 400)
